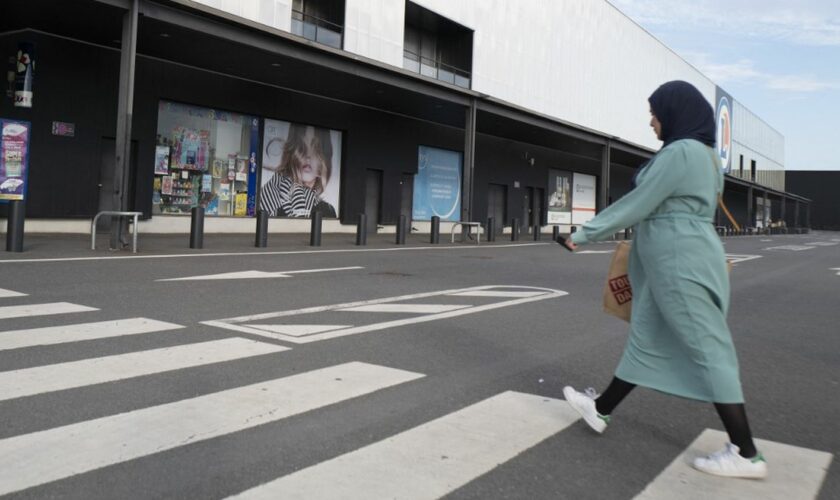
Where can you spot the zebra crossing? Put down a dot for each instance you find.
(427, 461)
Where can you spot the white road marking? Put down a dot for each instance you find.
(298, 330)
(794, 473)
(239, 323)
(48, 378)
(10, 293)
(42, 309)
(822, 243)
(433, 459)
(766, 240)
(595, 251)
(40, 457)
(736, 258)
(794, 248)
(241, 275)
(407, 308)
(836, 269)
(491, 293)
(79, 332)
(299, 252)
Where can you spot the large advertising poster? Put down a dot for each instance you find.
(301, 170)
(723, 139)
(437, 185)
(14, 159)
(583, 198)
(560, 197)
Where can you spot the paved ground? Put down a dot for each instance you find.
(386, 372)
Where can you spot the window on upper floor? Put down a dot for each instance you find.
(437, 47)
(321, 21)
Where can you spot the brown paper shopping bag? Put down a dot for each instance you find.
(618, 296)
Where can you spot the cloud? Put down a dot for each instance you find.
(810, 22)
(744, 71)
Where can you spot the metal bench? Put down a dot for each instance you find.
(469, 226)
(121, 214)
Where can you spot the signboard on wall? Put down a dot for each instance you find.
(14, 158)
(560, 197)
(723, 129)
(583, 198)
(437, 185)
(301, 170)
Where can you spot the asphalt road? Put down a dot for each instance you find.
(468, 348)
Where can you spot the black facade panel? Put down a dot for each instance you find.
(822, 188)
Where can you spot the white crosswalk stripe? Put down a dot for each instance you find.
(10, 293)
(433, 459)
(16, 339)
(40, 457)
(27, 310)
(794, 473)
(41, 379)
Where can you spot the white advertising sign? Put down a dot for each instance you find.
(583, 198)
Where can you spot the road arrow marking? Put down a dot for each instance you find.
(243, 275)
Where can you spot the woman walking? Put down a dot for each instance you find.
(679, 341)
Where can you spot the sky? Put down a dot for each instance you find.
(780, 59)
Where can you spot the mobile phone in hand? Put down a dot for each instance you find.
(562, 241)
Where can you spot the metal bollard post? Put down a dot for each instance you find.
(361, 230)
(537, 232)
(315, 231)
(574, 229)
(401, 230)
(555, 232)
(491, 229)
(627, 233)
(435, 236)
(14, 228)
(197, 227)
(261, 240)
(514, 230)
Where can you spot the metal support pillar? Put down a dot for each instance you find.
(750, 203)
(469, 166)
(604, 191)
(125, 110)
(796, 223)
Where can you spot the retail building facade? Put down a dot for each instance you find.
(535, 111)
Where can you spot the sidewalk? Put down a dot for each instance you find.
(60, 246)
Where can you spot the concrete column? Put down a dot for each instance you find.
(469, 164)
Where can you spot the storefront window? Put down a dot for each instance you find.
(204, 157)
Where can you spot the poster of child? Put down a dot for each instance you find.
(301, 170)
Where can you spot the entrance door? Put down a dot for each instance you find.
(373, 198)
(526, 220)
(406, 196)
(496, 204)
(537, 207)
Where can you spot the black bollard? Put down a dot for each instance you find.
(627, 233)
(315, 231)
(574, 229)
(435, 236)
(361, 230)
(401, 222)
(261, 240)
(514, 230)
(537, 232)
(14, 228)
(491, 229)
(196, 227)
(555, 232)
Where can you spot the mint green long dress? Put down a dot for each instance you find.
(679, 341)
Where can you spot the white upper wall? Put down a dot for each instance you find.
(581, 61)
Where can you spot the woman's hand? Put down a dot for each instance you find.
(567, 243)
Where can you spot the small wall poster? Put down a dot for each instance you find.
(162, 160)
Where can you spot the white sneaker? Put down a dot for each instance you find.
(727, 462)
(584, 403)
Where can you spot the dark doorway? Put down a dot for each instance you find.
(406, 196)
(527, 212)
(497, 205)
(537, 207)
(373, 198)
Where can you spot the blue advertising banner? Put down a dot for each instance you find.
(437, 185)
(723, 117)
(14, 159)
(252, 167)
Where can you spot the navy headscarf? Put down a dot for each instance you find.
(683, 113)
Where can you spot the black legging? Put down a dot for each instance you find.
(733, 415)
